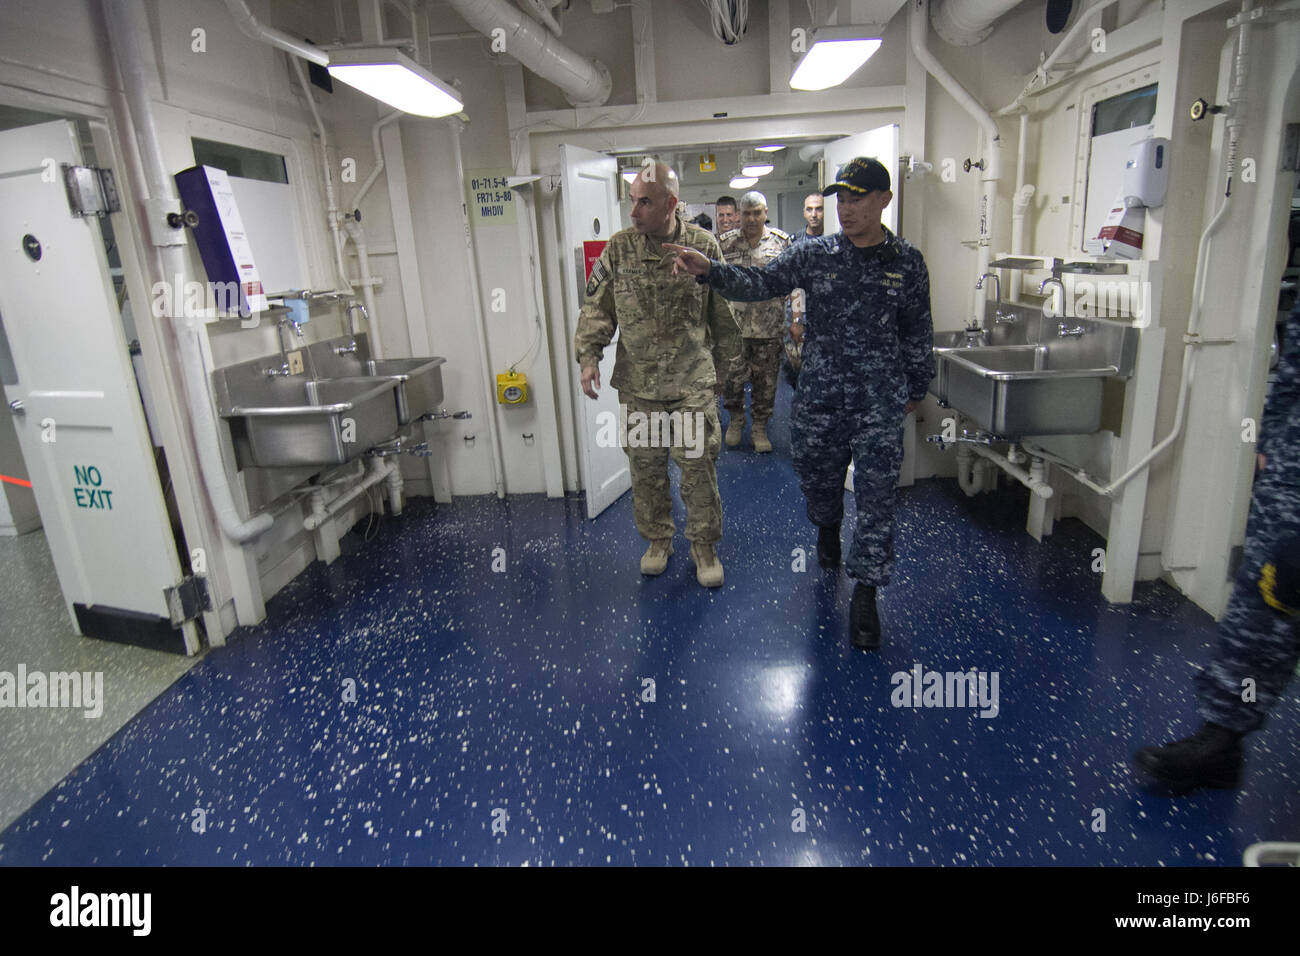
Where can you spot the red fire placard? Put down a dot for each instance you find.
(591, 250)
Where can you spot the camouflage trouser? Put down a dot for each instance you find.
(763, 362)
(1257, 641)
(824, 441)
(695, 452)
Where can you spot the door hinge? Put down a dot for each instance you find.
(91, 191)
(188, 599)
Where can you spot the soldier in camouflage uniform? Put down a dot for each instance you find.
(677, 344)
(814, 208)
(761, 323)
(1259, 637)
(867, 362)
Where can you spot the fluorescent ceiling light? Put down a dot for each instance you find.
(835, 55)
(393, 77)
(742, 182)
(769, 149)
(629, 175)
(756, 169)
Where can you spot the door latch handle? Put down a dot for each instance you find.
(16, 406)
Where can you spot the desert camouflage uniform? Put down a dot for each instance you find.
(867, 350)
(793, 361)
(676, 340)
(761, 325)
(1259, 637)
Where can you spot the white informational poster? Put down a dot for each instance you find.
(223, 195)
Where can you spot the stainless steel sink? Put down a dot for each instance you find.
(293, 421)
(1018, 390)
(419, 380)
(1032, 375)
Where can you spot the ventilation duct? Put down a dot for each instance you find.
(967, 22)
(584, 82)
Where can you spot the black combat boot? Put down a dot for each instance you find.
(864, 622)
(828, 546)
(1209, 758)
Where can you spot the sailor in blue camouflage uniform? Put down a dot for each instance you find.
(1259, 636)
(867, 361)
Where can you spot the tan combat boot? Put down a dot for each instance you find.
(735, 428)
(761, 444)
(708, 569)
(655, 558)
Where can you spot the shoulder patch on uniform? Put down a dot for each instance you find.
(780, 233)
(598, 276)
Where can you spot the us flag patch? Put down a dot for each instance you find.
(598, 275)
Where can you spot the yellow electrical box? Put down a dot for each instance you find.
(512, 388)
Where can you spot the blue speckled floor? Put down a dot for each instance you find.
(521, 691)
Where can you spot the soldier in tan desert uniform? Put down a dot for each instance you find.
(762, 324)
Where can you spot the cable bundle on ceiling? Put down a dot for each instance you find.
(728, 18)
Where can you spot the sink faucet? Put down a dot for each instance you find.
(1053, 280)
(997, 286)
(351, 347)
(286, 319)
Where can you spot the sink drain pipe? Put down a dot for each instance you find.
(380, 469)
(1034, 483)
(970, 472)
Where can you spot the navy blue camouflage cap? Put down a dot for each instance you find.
(860, 175)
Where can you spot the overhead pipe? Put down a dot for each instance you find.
(1020, 200)
(918, 30)
(584, 82)
(250, 27)
(1038, 79)
(331, 203)
(967, 22)
(544, 14)
(130, 39)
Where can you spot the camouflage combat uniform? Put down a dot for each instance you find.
(760, 326)
(676, 341)
(793, 361)
(867, 351)
(1259, 637)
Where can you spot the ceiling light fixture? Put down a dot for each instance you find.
(769, 149)
(835, 55)
(742, 182)
(394, 78)
(756, 169)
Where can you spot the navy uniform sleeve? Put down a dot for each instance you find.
(756, 283)
(1284, 397)
(916, 331)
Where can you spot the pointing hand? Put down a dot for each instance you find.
(689, 260)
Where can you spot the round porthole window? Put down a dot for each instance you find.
(595, 227)
(32, 246)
